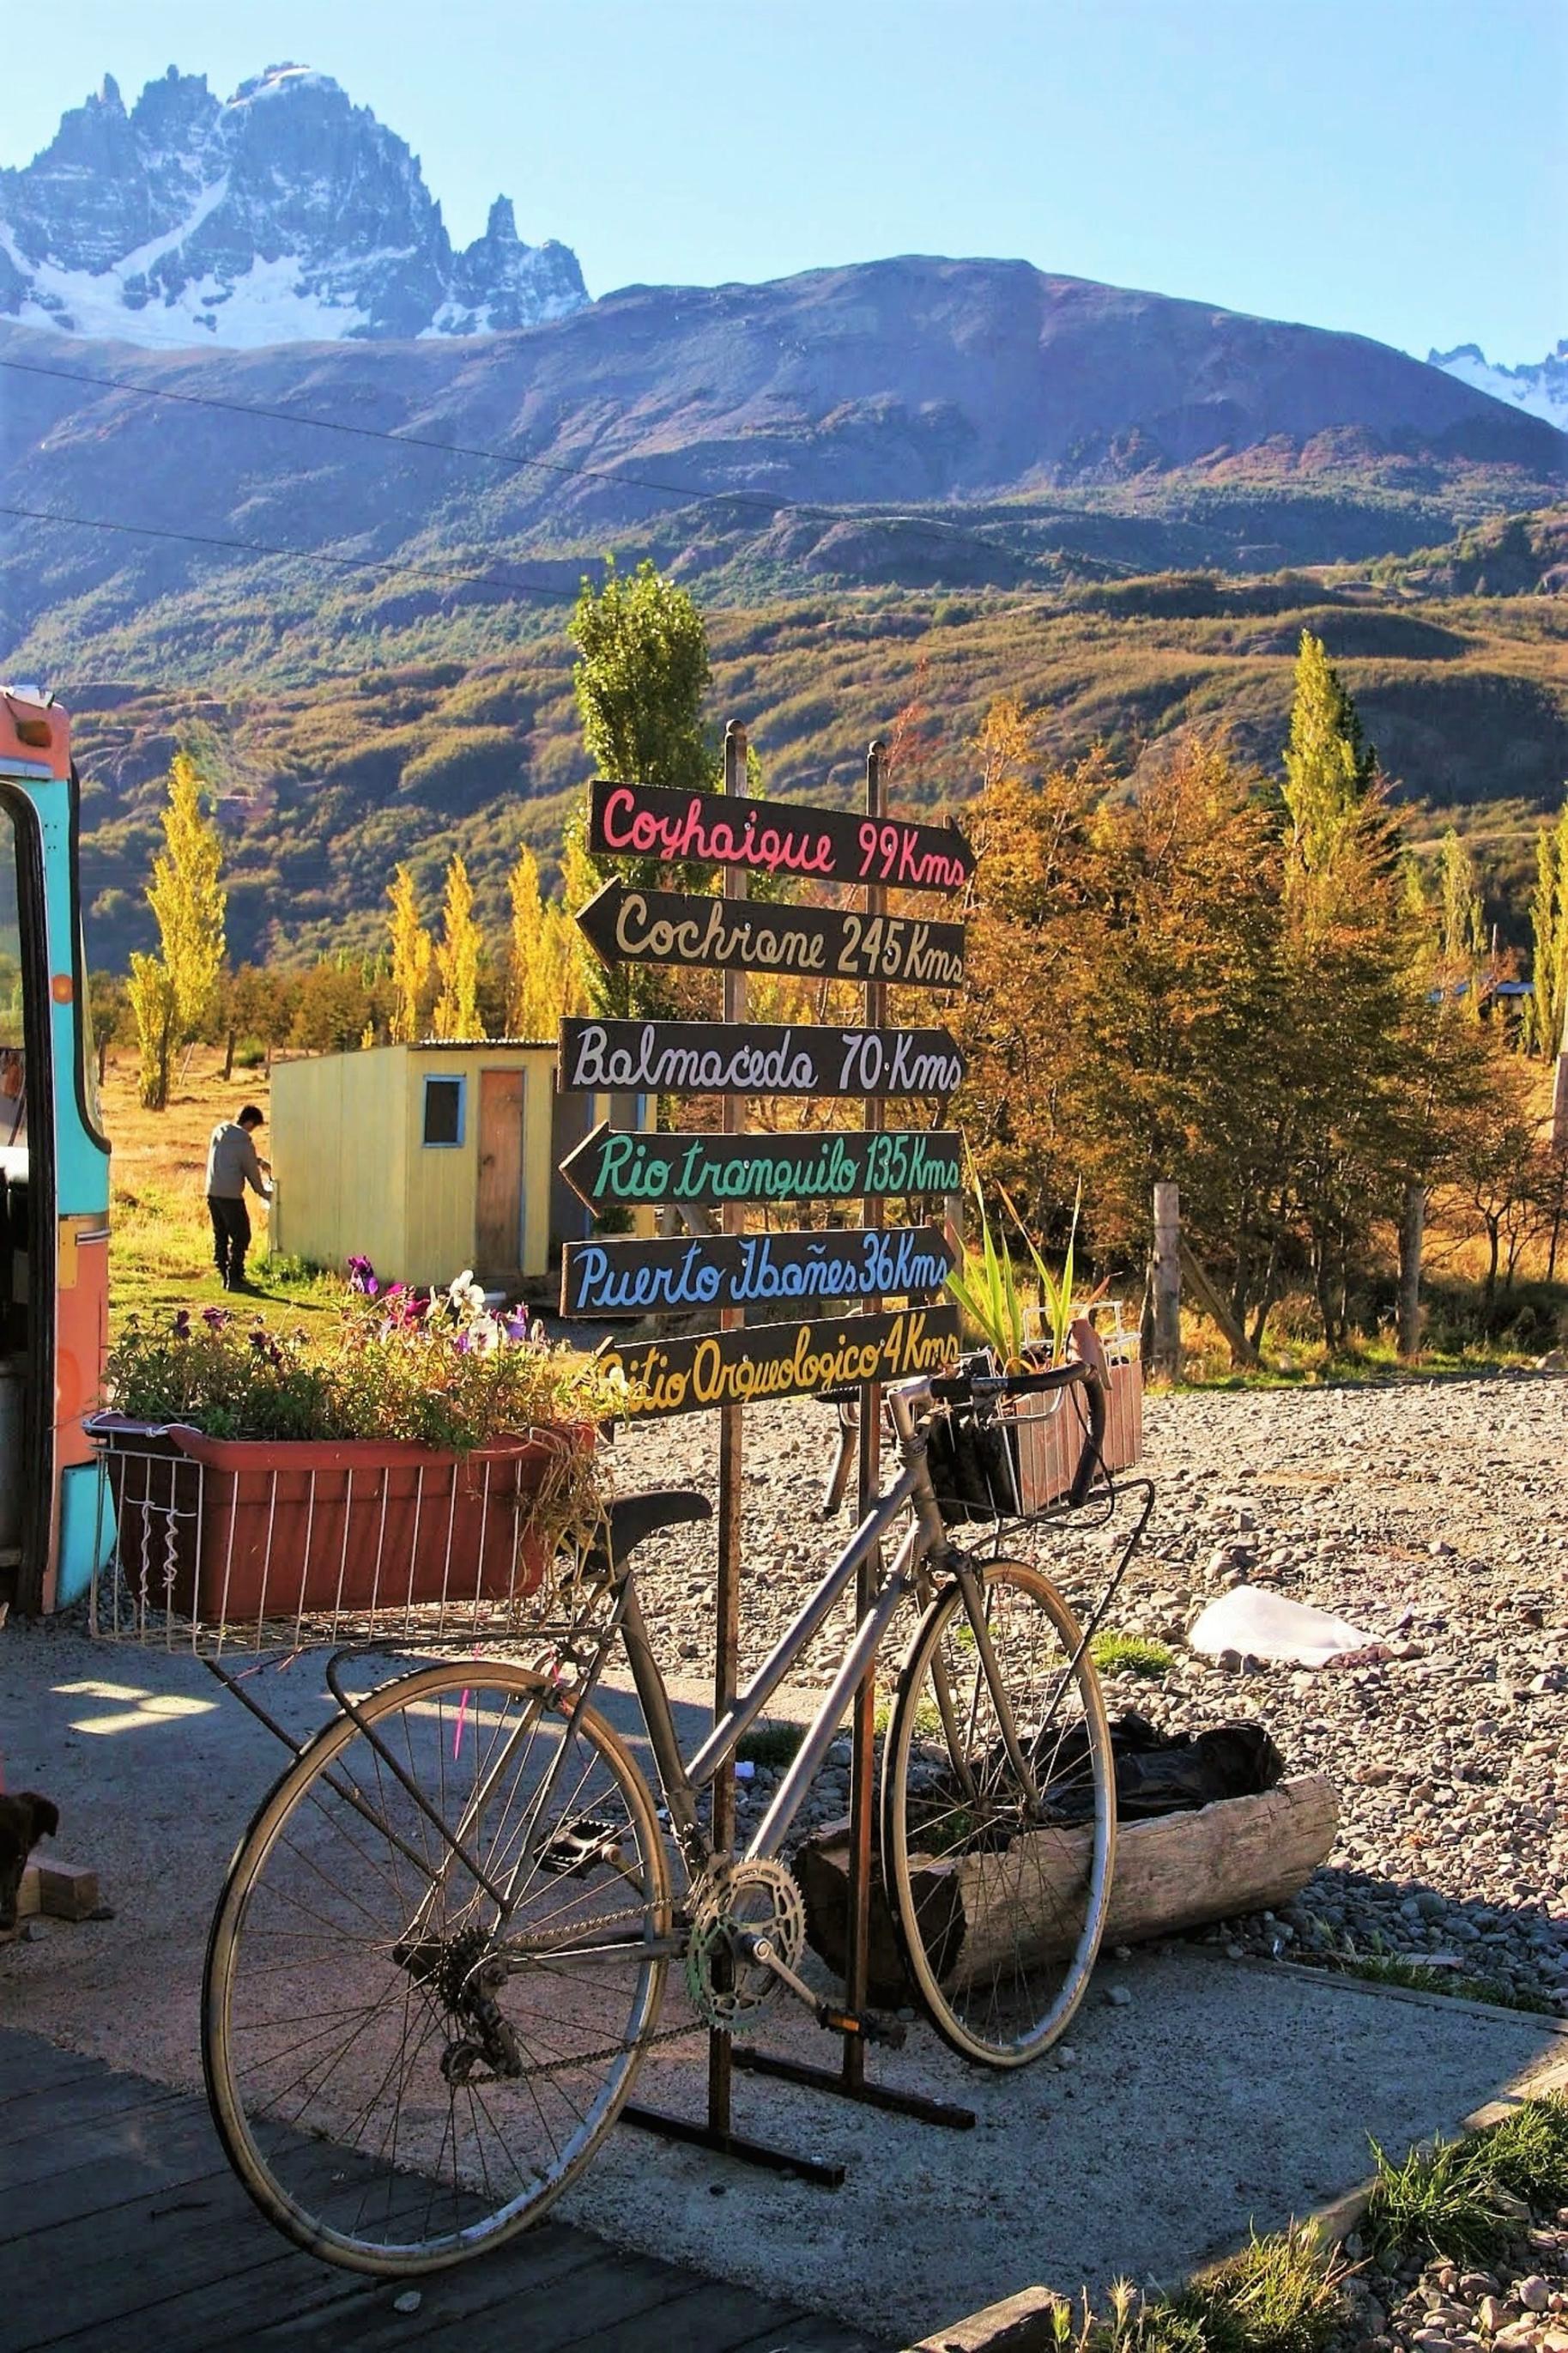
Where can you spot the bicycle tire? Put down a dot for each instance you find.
(389, 1932)
(1000, 1953)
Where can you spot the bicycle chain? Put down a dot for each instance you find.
(610, 2050)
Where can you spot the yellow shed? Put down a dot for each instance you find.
(429, 1158)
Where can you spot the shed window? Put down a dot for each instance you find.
(444, 1112)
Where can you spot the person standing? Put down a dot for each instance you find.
(232, 1165)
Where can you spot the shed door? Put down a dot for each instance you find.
(498, 1237)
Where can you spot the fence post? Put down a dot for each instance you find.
(1411, 1228)
(1167, 1283)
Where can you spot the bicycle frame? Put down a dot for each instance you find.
(682, 1779)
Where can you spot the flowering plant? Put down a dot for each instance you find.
(436, 1368)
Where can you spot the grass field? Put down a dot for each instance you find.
(161, 1254)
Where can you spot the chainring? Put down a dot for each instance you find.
(728, 1991)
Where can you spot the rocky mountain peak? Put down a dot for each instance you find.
(282, 214)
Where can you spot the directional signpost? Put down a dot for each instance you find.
(775, 838)
(749, 1057)
(782, 1360)
(890, 1274)
(810, 943)
(616, 1168)
(655, 1278)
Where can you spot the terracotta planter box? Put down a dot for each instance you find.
(222, 1530)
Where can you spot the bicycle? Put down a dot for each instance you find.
(441, 1951)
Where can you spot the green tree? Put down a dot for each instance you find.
(1549, 937)
(1329, 767)
(640, 680)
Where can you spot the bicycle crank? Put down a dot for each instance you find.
(740, 1913)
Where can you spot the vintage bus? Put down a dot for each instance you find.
(54, 1175)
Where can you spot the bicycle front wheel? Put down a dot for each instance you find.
(439, 1951)
(999, 1814)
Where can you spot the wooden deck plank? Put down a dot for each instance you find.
(139, 2236)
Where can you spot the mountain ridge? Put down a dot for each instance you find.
(282, 214)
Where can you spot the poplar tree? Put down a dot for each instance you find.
(640, 680)
(1549, 937)
(457, 953)
(413, 954)
(174, 994)
(544, 979)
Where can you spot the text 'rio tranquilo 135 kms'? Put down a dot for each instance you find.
(613, 1166)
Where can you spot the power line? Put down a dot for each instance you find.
(686, 493)
(304, 554)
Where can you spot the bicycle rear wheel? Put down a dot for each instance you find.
(427, 1985)
(997, 1854)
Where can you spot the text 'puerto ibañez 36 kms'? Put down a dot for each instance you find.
(780, 1360)
(719, 1058)
(649, 1277)
(775, 838)
(618, 1166)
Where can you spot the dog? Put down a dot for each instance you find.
(24, 1820)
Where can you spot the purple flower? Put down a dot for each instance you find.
(362, 1277)
(216, 1318)
(516, 1325)
(182, 1325)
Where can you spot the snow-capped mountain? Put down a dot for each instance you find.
(285, 213)
(1540, 390)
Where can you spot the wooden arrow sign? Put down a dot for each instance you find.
(727, 1058)
(733, 936)
(779, 1360)
(815, 1270)
(773, 837)
(613, 1166)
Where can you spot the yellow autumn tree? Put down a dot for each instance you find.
(174, 993)
(457, 953)
(412, 955)
(545, 974)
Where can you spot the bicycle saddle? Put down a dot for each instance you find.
(633, 1517)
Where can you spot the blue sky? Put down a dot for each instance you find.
(1397, 167)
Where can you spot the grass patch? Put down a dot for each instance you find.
(771, 1744)
(1463, 2198)
(1278, 2294)
(1116, 1653)
(1379, 1967)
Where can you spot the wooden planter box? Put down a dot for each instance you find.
(225, 1530)
(1175, 1872)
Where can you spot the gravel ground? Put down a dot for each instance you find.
(1430, 1514)
(1517, 2304)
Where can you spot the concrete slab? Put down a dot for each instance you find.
(1220, 2094)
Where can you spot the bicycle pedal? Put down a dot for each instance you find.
(576, 1846)
(871, 2025)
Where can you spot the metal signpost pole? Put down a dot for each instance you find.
(862, 1766)
(727, 1608)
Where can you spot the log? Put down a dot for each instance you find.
(1173, 1873)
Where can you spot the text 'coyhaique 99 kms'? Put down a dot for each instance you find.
(779, 1360)
(626, 927)
(775, 838)
(753, 1058)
